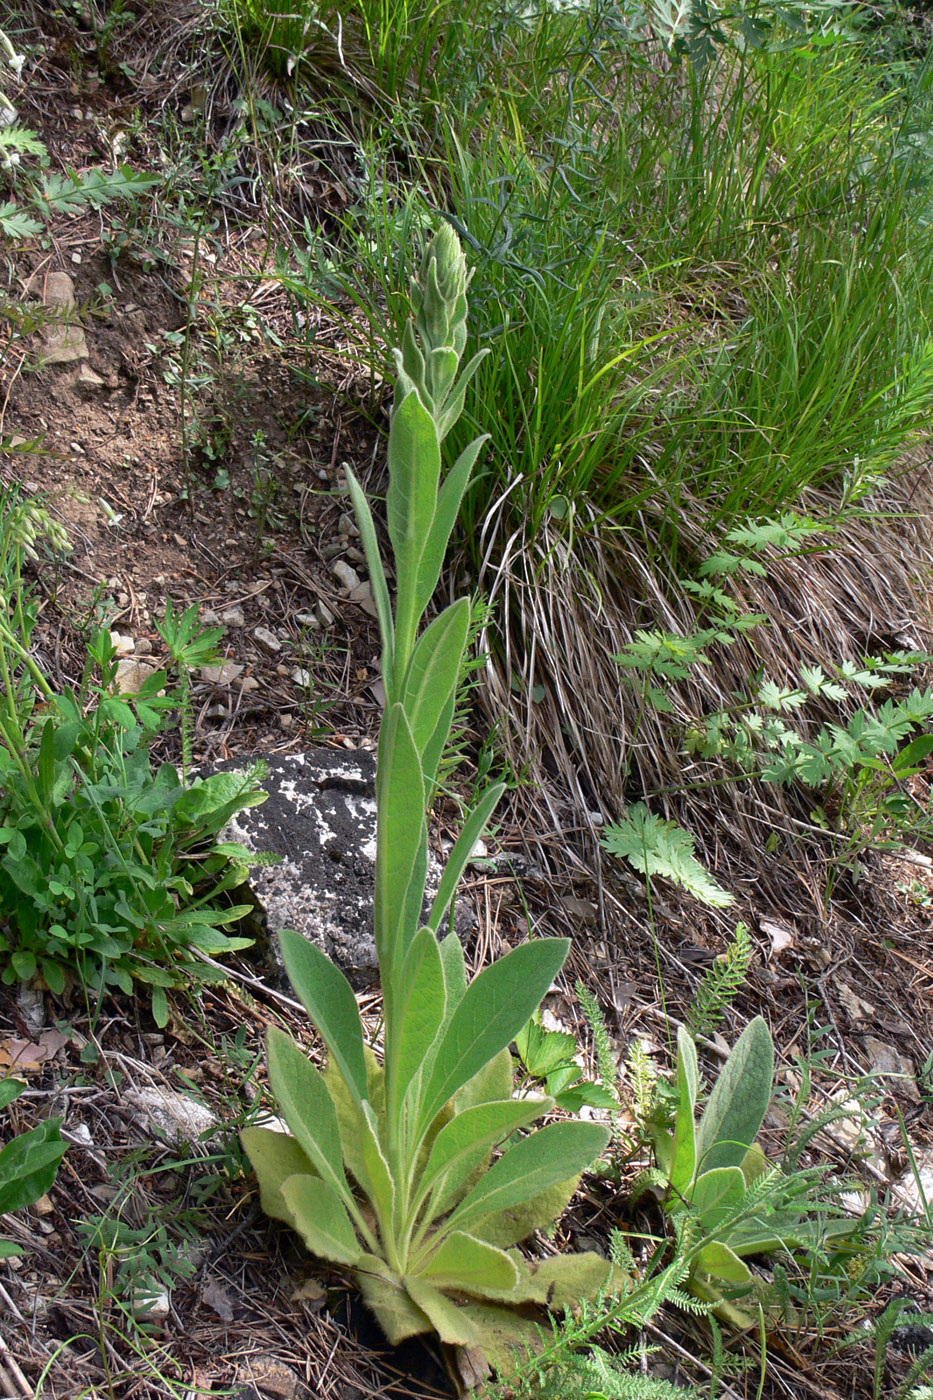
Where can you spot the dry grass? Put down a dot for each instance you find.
(573, 725)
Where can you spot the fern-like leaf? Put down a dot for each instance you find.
(654, 846)
(720, 983)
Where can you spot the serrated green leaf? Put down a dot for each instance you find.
(328, 999)
(653, 846)
(321, 1219)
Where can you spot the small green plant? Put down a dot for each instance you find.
(720, 983)
(553, 1058)
(28, 1162)
(112, 872)
(714, 1171)
(56, 194)
(390, 1169)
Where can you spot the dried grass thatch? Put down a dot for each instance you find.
(573, 599)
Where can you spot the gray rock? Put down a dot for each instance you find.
(233, 617)
(267, 639)
(320, 816)
(347, 575)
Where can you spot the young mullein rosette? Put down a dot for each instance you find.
(395, 1170)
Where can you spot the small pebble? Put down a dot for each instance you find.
(209, 617)
(325, 616)
(306, 619)
(249, 683)
(267, 639)
(233, 617)
(301, 677)
(347, 575)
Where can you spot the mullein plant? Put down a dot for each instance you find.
(419, 1172)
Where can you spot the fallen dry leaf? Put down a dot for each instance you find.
(781, 936)
(28, 1055)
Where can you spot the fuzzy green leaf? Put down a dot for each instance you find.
(567, 1280)
(411, 500)
(431, 684)
(328, 999)
(401, 852)
(463, 848)
(275, 1157)
(511, 1226)
(450, 1322)
(683, 1163)
(461, 1145)
(468, 1265)
(719, 1261)
(739, 1100)
(496, 1004)
(321, 1219)
(716, 1195)
(448, 505)
(307, 1107)
(422, 1002)
(537, 1162)
(367, 528)
(385, 1294)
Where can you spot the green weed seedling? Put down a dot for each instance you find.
(28, 1162)
(714, 1170)
(389, 1169)
(553, 1058)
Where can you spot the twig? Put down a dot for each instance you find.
(10, 1361)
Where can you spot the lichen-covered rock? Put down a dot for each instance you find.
(320, 817)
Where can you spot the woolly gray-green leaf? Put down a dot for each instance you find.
(535, 1163)
(307, 1107)
(400, 843)
(683, 1163)
(328, 999)
(461, 1145)
(274, 1158)
(467, 1264)
(367, 528)
(739, 1100)
(321, 1219)
(496, 1004)
(421, 1003)
(463, 848)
